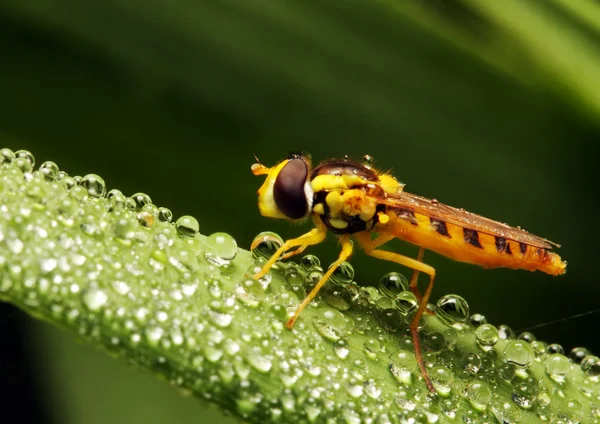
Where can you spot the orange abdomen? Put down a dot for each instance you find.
(469, 245)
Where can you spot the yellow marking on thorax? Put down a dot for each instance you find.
(351, 203)
(336, 182)
(390, 184)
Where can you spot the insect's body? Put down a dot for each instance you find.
(354, 200)
(348, 196)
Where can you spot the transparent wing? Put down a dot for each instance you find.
(437, 210)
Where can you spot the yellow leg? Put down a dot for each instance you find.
(367, 244)
(415, 276)
(314, 236)
(344, 254)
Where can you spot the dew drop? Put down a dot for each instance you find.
(392, 284)
(220, 248)
(341, 348)
(187, 226)
(49, 170)
(165, 214)
(308, 262)
(266, 244)
(505, 412)
(557, 367)
(330, 323)
(487, 336)
(479, 394)
(518, 353)
(527, 336)
(477, 319)
(94, 185)
(524, 395)
(94, 299)
(578, 353)
(399, 366)
(442, 379)
(23, 164)
(26, 155)
(555, 348)
(343, 275)
(505, 332)
(591, 366)
(372, 348)
(434, 342)
(139, 200)
(406, 303)
(258, 361)
(6, 156)
(452, 309)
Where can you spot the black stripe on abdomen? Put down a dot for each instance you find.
(472, 237)
(440, 226)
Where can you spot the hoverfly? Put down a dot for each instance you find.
(353, 199)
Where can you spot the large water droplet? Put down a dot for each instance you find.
(343, 275)
(25, 154)
(452, 309)
(487, 336)
(524, 395)
(518, 353)
(308, 262)
(557, 367)
(187, 226)
(49, 170)
(479, 394)
(330, 323)
(220, 248)
(392, 284)
(266, 244)
(442, 379)
(94, 184)
(399, 365)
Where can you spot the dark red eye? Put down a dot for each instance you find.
(288, 189)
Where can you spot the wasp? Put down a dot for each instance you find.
(355, 200)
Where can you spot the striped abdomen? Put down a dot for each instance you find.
(470, 245)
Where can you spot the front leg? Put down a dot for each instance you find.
(314, 236)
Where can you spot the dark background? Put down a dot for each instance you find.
(174, 98)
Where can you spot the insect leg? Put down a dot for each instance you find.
(344, 254)
(415, 277)
(314, 236)
(365, 241)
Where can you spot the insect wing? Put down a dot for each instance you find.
(460, 217)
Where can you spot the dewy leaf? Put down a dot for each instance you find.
(118, 273)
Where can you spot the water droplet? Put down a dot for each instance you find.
(23, 165)
(187, 226)
(139, 200)
(452, 309)
(258, 361)
(341, 348)
(368, 161)
(343, 275)
(372, 348)
(266, 244)
(399, 366)
(308, 262)
(505, 332)
(25, 154)
(477, 320)
(518, 353)
(442, 379)
(49, 170)
(506, 372)
(121, 287)
(578, 353)
(94, 299)
(434, 342)
(220, 248)
(165, 214)
(406, 303)
(524, 395)
(574, 413)
(124, 230)
(555, 348)
(330, 323)
(505, 412)
(392, 284)
(471, 363)
(479, 394)
(6, 156)
(527, 336)
(94, 185)
(557, 366)
(591, 366)
(487, 336)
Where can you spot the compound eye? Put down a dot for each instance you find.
(288, 190)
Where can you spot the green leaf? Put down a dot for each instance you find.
(117, 273)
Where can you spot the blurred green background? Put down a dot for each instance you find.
(494, 109)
